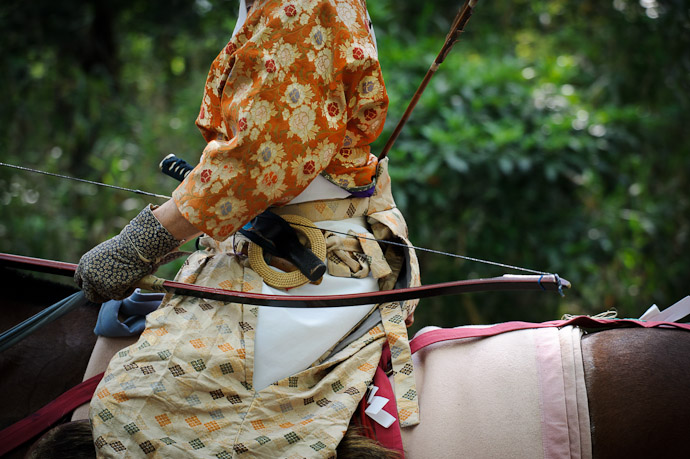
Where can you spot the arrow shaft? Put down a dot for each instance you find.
(456, 29)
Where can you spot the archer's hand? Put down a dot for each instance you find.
(111, 269)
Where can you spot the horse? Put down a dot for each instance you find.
(636, 380)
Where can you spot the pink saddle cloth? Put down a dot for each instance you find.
(519, 394)
(509, 390)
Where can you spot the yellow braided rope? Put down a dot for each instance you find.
(293, 278)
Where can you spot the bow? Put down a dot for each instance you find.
(538, 281)
(546, 282)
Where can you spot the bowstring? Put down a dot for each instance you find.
(399, 244)
(437, 252)
(52, 174)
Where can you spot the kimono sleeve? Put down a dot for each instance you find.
(279, 102)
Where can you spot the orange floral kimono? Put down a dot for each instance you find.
(296, 93)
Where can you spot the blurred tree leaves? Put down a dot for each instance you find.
(553, 140)
(553, 137)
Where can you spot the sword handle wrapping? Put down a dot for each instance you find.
(174, 167)
(282, 236)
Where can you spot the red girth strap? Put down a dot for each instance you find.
(446, 334)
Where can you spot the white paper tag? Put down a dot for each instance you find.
(650, 313)
(375, 410)
(384, 418)
(377, 403)
(675, 312)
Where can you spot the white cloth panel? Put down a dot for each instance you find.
(290, 340)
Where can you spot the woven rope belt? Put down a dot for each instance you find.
(317, 244)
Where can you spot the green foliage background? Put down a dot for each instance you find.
(554, 137)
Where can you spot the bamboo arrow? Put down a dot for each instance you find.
(456, 29)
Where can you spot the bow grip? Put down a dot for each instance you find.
(153, 283)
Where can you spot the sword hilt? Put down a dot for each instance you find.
(283, 236)
(175, 167)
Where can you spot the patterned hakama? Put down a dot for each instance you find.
(185, 388)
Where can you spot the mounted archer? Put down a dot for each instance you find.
(290, 108)
(291, 105)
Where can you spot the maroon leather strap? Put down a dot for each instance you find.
(390, 437)
(447, 334)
